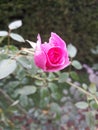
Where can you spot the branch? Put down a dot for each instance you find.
(83, 91)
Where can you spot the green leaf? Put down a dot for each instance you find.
(7, 67)
(51, 76)
(44, 97)
(72, 50)
(11, 86)
(82, 105)
(74, 75)
(89, 98)
(3, 56)
(23, 100)
(3, 33)
(63, 77)
(92, 88)
(12, 48)
(44, 92)
(17, 37)
(27, 90)
(15, 24)
(20, 73)
(55, 94)
(55, 108)
(76, 64)
(28, 63)
(34, 68)
(93, 105)
(38, 83)
(53, 87)
(24, 62)
(90, 119)
(84, 86)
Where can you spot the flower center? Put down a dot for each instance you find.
(55, 55)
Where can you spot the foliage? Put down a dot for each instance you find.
(75, 21)
(32, 99)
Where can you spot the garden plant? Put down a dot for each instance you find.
(44, 87)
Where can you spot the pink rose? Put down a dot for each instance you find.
(52, 56)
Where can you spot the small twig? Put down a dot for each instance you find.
(83, 91)
(30, 51)
(9, 38)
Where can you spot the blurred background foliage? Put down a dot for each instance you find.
(75, 21)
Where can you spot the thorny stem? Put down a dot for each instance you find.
(79, 88)
(83, 91)
(30, 51)
(39, 78)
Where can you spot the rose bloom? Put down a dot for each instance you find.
(51, 56)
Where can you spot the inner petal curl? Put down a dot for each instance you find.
(55, 55)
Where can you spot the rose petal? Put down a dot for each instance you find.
(40, 59)
(38, 46)
(55, 40)
(57, 68)
(55, 55)
(45, 47)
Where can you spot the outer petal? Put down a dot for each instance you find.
(45, 47)
(40, 59)
(55, 40)
(38, 46)
(57, 68)
(40, 56)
